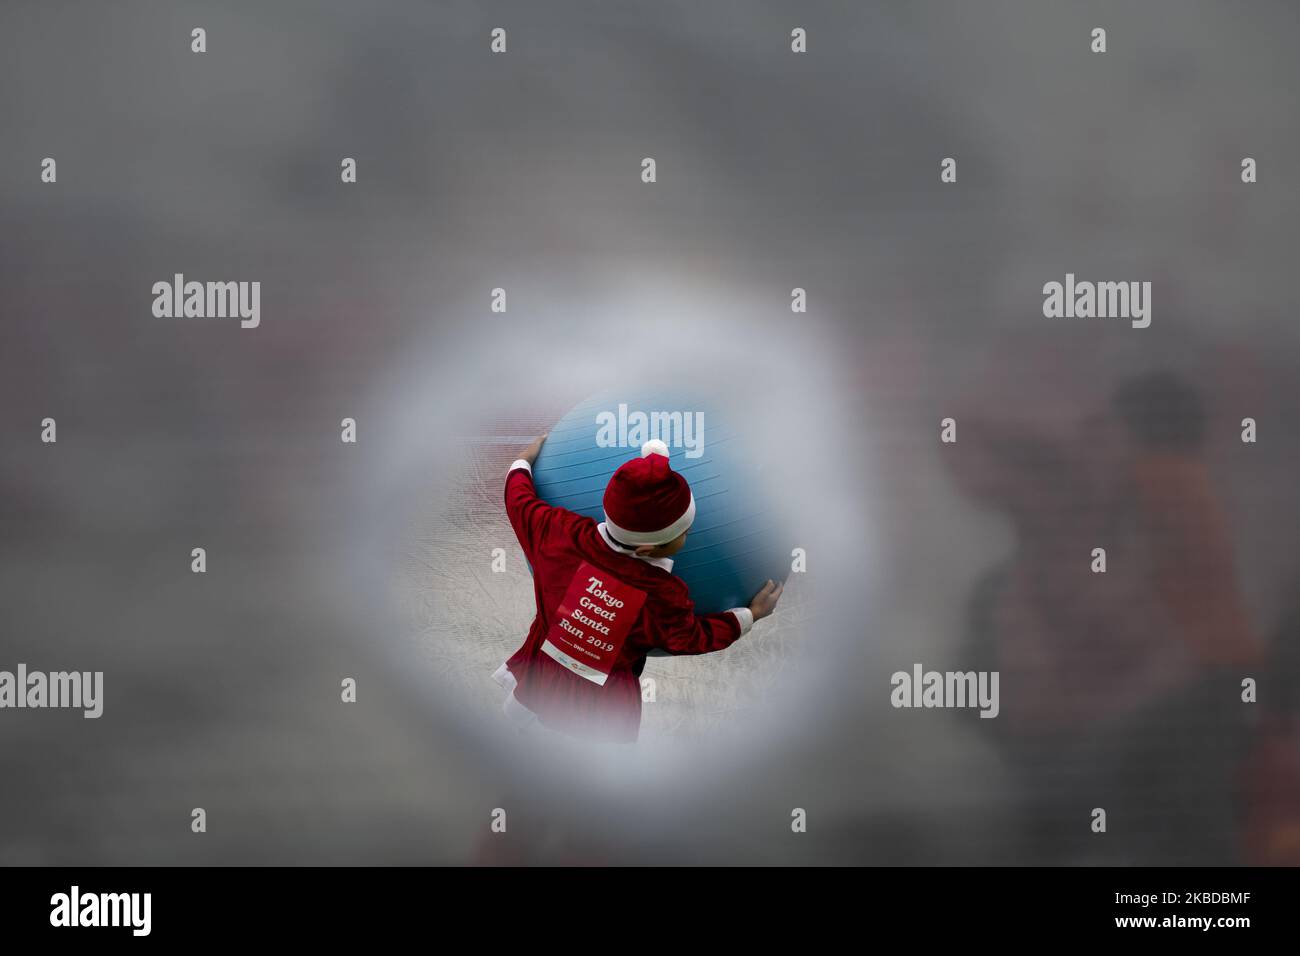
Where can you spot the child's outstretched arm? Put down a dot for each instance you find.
(529, 515)
(681, 631)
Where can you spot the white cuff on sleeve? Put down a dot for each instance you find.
(746, 618)
(519, 463)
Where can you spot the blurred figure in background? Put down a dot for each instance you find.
(1269, 798)
(1178, 757)
(1178, 513)
(1098, 667)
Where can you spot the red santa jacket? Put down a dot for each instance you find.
(559, 544)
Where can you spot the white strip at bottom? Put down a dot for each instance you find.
(579, 668)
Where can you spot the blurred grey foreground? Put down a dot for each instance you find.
(1119, 690)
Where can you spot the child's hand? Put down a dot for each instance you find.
(764, 602)
(530, 453)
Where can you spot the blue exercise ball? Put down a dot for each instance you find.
(736, 543)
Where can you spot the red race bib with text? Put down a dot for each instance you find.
(592, 622)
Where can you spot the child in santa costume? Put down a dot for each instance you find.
(606, 597)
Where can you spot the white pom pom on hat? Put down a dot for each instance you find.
(654, 446)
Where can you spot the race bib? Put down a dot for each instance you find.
(592, 622)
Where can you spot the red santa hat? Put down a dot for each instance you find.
(646, 502)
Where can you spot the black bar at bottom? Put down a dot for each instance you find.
(330, 905)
